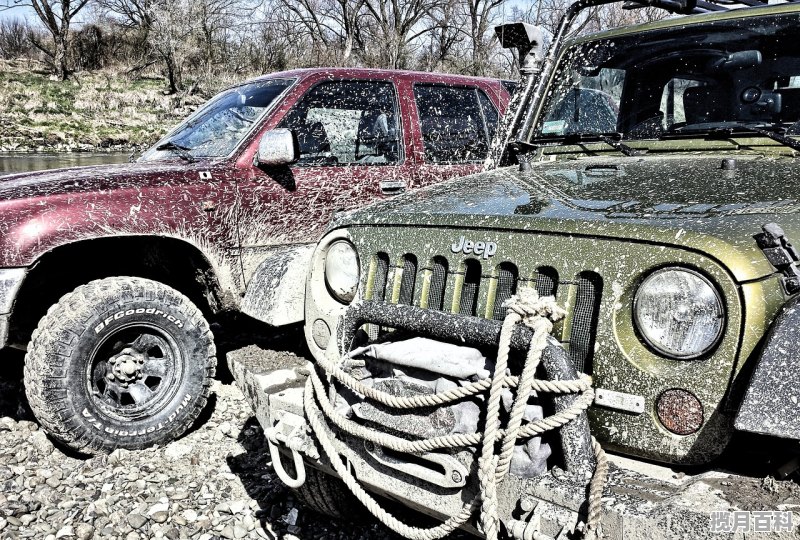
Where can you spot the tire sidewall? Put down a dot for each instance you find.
(187, 385)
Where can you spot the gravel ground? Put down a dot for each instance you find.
(215, 482)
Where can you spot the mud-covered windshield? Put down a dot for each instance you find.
(218, 127)
(720, 75)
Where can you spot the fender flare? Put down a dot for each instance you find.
(771, 405)
(277, 291)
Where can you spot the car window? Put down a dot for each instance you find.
(510, 86)
(347, 123)
(490, 115)
(456, 127)
(218, 128)
(589, 104)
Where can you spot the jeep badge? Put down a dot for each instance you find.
(487, 249)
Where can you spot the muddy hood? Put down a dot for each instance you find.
(93, 178)
(684, 201)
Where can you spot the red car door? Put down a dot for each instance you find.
(352, 136)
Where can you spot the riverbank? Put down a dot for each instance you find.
(98, 111)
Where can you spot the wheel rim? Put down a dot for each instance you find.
(133, 371)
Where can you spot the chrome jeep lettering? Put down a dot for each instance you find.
(484, 249)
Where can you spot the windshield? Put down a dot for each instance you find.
(717, 75)
(218, 128)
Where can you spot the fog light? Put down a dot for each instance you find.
(321, 333)
(679, 411)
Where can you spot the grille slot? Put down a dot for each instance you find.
(409, 280)
(438, 283)
(546, 281)
(448, 287)
(468, 303)
(381, 275)
(584, 320)
(507, 277)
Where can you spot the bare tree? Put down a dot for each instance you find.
(331, 23)
(395, 25)
(14, 40)
(481, 16)
(445, 39)
(56, 16)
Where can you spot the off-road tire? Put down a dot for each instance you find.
(328, 495)
(66, 352)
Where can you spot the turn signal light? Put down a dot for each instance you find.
(679, 411)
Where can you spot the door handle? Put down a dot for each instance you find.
(392, 187)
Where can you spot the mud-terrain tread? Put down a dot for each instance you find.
(69, 315)
(328, 495)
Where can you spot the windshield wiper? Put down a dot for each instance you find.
(178, 150)
(614, 140)
(729, 130)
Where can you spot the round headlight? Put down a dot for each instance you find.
(679, 313)
(341, 271)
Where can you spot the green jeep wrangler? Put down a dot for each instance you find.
(647, 179)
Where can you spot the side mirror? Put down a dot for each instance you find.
(277, 147)
(530, 41)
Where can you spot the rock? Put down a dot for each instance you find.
(65, 531)
(41, 443)
(227, 532)
(84, 531)
(177, 450)
(237, 507)
(160, 517)
(160, 507)
(53, 482)
(190, 515)
(136, 521)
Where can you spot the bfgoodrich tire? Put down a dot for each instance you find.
(121, 362)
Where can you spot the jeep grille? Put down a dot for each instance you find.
(479, 288)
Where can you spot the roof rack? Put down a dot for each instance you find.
(690, 7)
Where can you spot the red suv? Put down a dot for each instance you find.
(109, 274)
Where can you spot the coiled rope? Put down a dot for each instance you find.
(525, 307)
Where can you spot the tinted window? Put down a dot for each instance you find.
(671, 82)
(347, 122)
(490, 115)
(456, 128)
(510, 86)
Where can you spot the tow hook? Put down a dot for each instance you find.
(781, 254)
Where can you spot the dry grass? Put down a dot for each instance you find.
(94, 110)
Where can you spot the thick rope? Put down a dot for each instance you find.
(448, 396)
(413, 533)
(525, 307)
(599, 478)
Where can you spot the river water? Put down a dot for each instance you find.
(13, 162)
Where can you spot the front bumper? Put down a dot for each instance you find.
(10, 281)
(4, 330)
(641, 499)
